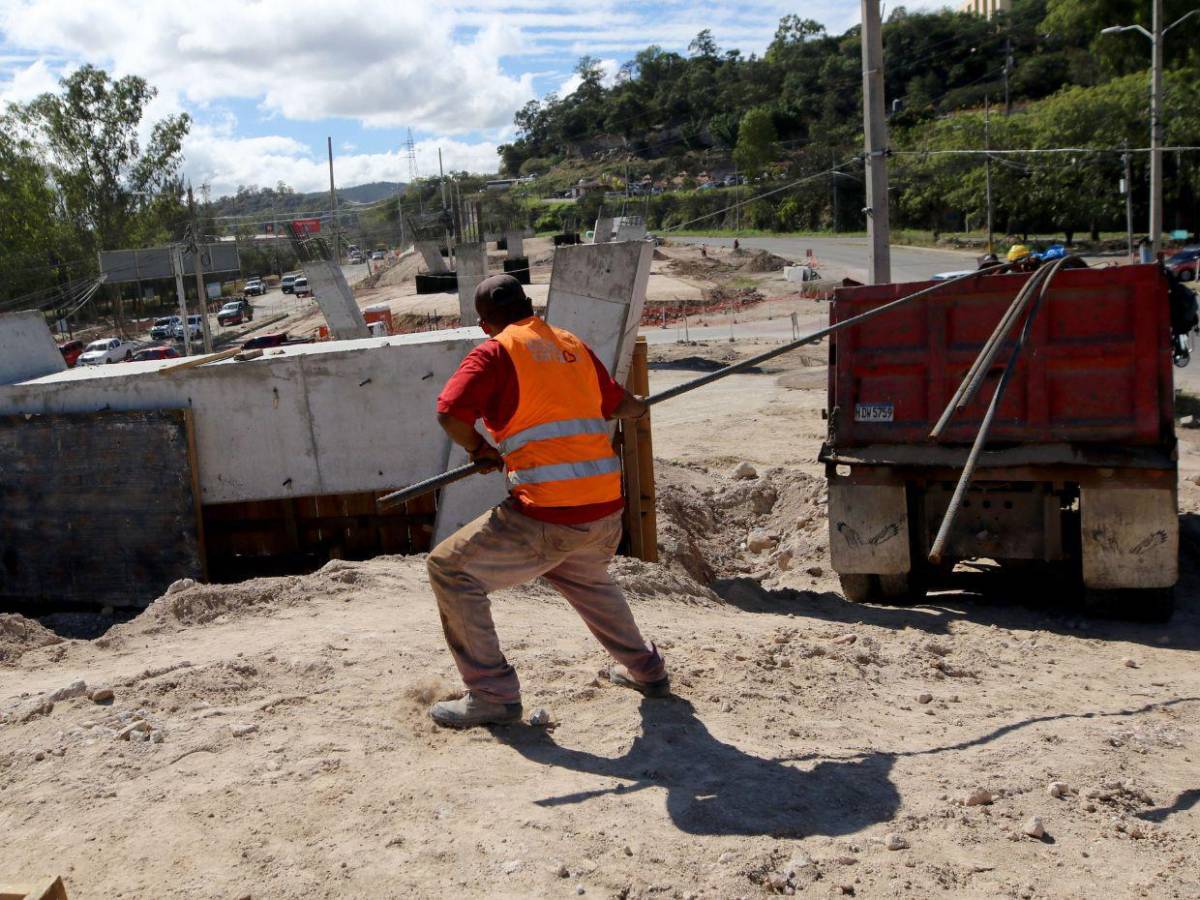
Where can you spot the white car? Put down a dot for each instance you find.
(195, 329)
(106, 350)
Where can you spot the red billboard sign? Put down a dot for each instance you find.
(307, 226)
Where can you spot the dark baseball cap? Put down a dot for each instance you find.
(501, 292)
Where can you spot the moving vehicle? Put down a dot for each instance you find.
(70, 351)
(278, 339)
(1185, 263)
(150, 353)
(254, 287)
(163, 328)
(235, 312)
(194, 328)
(300, 287)
(1078, 475)
(106, 350)
(288, 280)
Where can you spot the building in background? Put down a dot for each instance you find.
(987, 8)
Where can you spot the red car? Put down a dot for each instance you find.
(154, 353)
(1184, 263)
(279, 339)
(70, 351)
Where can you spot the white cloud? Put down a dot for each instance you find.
(25, 82)
(384, 65)
(224, 161)
(610, 68)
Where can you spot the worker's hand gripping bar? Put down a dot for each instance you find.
(439, 481)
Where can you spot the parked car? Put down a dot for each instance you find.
(154, 353)
(1184, 263)
(235, 312)
(70, 351)
(356, 258)
(288, 280)
(300, 287)
(194, 328)
(378, 254)
(163, 328)
(278, 339)
(254, 288)
(106, 350)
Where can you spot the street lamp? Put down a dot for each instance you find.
(1156, 69)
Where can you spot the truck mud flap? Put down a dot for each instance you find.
(868, 528)
(1129, 537)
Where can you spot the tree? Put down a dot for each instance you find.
(95, 157)
(756, 141)
(703, 46)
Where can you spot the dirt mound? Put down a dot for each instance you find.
(18, 634)
(401, 273)
(659, 255)
(642, 580)
(699, 267)
(735, 296)
(762, 261)
(713, 526)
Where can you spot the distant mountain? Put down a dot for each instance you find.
(269, 203)
(369, 193)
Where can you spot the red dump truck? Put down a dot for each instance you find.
(1079, 470)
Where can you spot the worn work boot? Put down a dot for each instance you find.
(468, 711)
(619, 675)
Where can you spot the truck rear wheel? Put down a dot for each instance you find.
(859, 588)
(902, 587)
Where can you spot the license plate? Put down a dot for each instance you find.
(873, 412)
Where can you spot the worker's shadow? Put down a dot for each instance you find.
(714, 788)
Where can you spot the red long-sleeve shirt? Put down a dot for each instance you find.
(485, 387)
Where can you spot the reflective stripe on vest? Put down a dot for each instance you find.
(565, 471)
(549, 430)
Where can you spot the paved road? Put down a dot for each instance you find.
(847, 256)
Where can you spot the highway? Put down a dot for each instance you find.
(840, 257)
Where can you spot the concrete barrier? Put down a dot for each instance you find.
(471, 268)
(27, 349)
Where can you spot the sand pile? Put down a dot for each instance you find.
(18, 634)
(762, 261)
(715, 526)
(401, 273)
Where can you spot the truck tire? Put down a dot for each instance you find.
(859, 588)
(1134, 605)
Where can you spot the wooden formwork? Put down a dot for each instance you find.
(637, 465)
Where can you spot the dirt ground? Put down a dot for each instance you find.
(813, 746)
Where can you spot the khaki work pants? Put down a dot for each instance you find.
(504, 548)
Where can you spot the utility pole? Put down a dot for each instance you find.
(833, 179)
(879, 261)
(987, 146)
(1127, 190)
(201, 293)
(1156, 132)
(442, 177)
(177, 265)
(1008, 64)
(333, 223)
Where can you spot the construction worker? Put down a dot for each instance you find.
(544, 399)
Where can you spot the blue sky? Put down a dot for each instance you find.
(268, 80)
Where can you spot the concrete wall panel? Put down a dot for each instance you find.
(27, 349)
(432, 255)
(336, 300)
(516, 244)
(471, 266)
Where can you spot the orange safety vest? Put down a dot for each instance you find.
(556, 447)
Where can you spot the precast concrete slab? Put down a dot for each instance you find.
(603, 232)
(27, 348)
(597, 292)
(327, 418)
(336, 300)
(471, 267)
(631, 231)
(432, 255)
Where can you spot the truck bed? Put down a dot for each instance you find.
(1096, 370)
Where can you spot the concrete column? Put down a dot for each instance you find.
(516, 244)
(336, 300)
(603, 231)
(472, 269)
(631, 231)
(430, 252)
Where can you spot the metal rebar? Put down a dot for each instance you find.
(439, 481)
(964, 479)
(987, 353)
